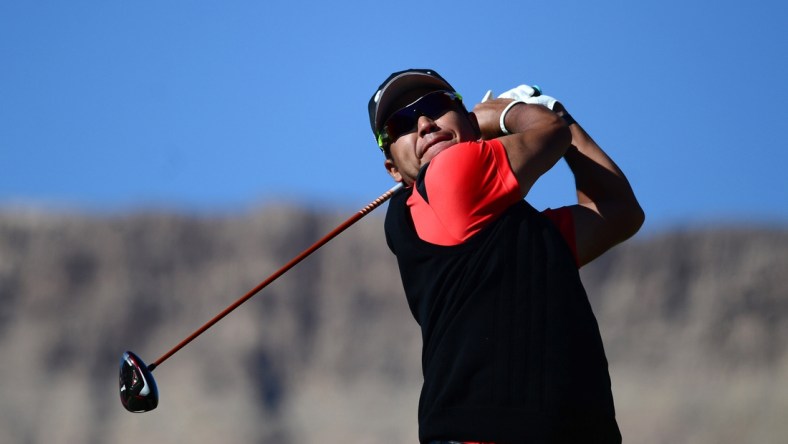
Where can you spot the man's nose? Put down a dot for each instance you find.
(425, 126)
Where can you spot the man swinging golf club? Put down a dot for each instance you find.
(511, 349)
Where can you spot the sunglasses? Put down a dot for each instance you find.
(405, 120)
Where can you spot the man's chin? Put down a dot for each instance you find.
(436, 149)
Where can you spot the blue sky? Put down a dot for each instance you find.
(224, 106)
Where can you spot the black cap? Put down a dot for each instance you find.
(394, 86)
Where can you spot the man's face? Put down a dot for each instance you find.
(430, 133)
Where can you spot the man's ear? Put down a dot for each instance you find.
(393, 170)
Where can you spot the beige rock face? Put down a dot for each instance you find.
(695, 324)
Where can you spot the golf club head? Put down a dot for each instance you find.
(138, 391)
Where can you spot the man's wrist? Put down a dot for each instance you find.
(505, 111)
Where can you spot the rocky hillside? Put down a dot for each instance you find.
(695, 323)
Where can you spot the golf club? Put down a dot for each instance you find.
(138, 390)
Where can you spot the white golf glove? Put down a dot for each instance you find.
(529, 94)
(519, 93)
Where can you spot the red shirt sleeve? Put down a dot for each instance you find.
(462, 190)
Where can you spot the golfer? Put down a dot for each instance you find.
(511, 349)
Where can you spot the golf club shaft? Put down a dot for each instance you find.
(342, 227)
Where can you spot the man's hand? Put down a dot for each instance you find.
(489, 110)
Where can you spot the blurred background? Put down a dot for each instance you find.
(158, 160)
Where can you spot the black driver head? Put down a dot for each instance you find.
(138, 391)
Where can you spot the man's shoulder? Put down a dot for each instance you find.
(467, 161)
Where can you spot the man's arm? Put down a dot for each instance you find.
(607, 211)
(537, 141)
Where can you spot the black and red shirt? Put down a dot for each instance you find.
(511, 348)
